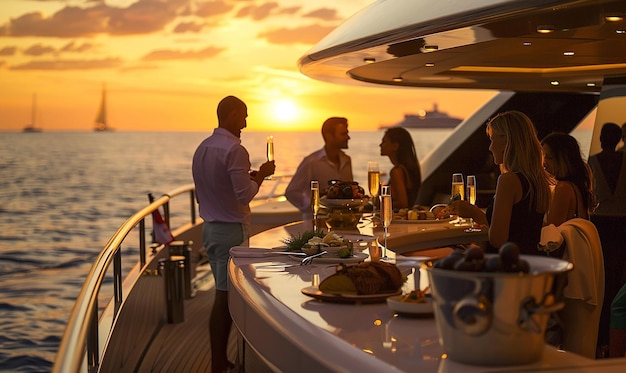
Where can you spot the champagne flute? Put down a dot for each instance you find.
(471, 189)
(458, 189)
(315, 201)
(373, 180)
(270, 151)
(386, 213)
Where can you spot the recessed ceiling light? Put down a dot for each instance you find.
(591, 84)
(614, 17)
(545, 29)
(369, 60)
(397, 79)
(429, 64)
(554, 82)
(527, 44)
(620, 31)
(568, 53)
(431, 47)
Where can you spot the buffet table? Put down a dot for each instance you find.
(294, 332)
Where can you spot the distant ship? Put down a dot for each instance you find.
(32, 127)
(101, 118)
(427, 119)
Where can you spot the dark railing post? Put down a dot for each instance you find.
(93, 358)
(142, 242)
(166, 212)
(117, 278)
(192, 207)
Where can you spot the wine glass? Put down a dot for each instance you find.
(458, 189)
(373, 180)
(471, 189)
(386, 213)
(315, 201)
(270, 152)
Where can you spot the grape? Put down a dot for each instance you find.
(450, 261)
(509, 253)
(464, 265)
(474, 260)
(493, 264)
(474, 253)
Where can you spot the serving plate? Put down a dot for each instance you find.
(315, 292)
(354, 259)
(343, 202)
(396, 304)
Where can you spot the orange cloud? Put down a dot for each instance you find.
(74, 47)
(257, 13)
(106, 63)
(212, 8)
(290, 10)
(184, 27)
(39, 50)
(143, 16)
(305, 34)
(167, 54)
(324, 14)
(8, 51)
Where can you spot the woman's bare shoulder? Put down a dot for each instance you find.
(565, 189)
(509, 179)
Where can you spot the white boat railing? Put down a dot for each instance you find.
(81, 338)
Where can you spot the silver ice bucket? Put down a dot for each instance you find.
(487, 318)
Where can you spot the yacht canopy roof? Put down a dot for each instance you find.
(519, 45)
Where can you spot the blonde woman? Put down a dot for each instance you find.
(522, 193)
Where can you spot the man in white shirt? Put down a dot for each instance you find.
(224, 188)
(328, 163)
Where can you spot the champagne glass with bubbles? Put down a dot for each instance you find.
(270, 151)
(471, 189)
(373, 180)
(386, 213)
(458, 188)
(315, 201)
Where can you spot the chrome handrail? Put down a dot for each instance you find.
(81, 333)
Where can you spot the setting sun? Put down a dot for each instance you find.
(285, 110)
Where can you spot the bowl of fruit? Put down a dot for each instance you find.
(344, 194)
(493, 309)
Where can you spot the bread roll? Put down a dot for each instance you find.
(364, 279)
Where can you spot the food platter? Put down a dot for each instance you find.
(423, 221)
(315, 292)
(410, 308)
(354, 259)
(343, 202)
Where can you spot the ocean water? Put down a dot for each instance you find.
(62, 196)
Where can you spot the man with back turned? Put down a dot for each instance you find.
(224, 188)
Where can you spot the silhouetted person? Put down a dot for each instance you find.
(572, 196)
(323, 165)
(224, 188)
(405, 177)
(609, 171)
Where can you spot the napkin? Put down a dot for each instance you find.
(551, 238)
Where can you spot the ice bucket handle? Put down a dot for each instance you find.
(529, 307)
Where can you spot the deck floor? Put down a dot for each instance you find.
(185, 347)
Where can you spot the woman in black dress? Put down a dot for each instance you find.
(522, 193)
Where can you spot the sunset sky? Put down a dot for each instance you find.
(167, 63)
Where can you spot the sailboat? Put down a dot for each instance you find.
(32, 127)
(101, 119)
